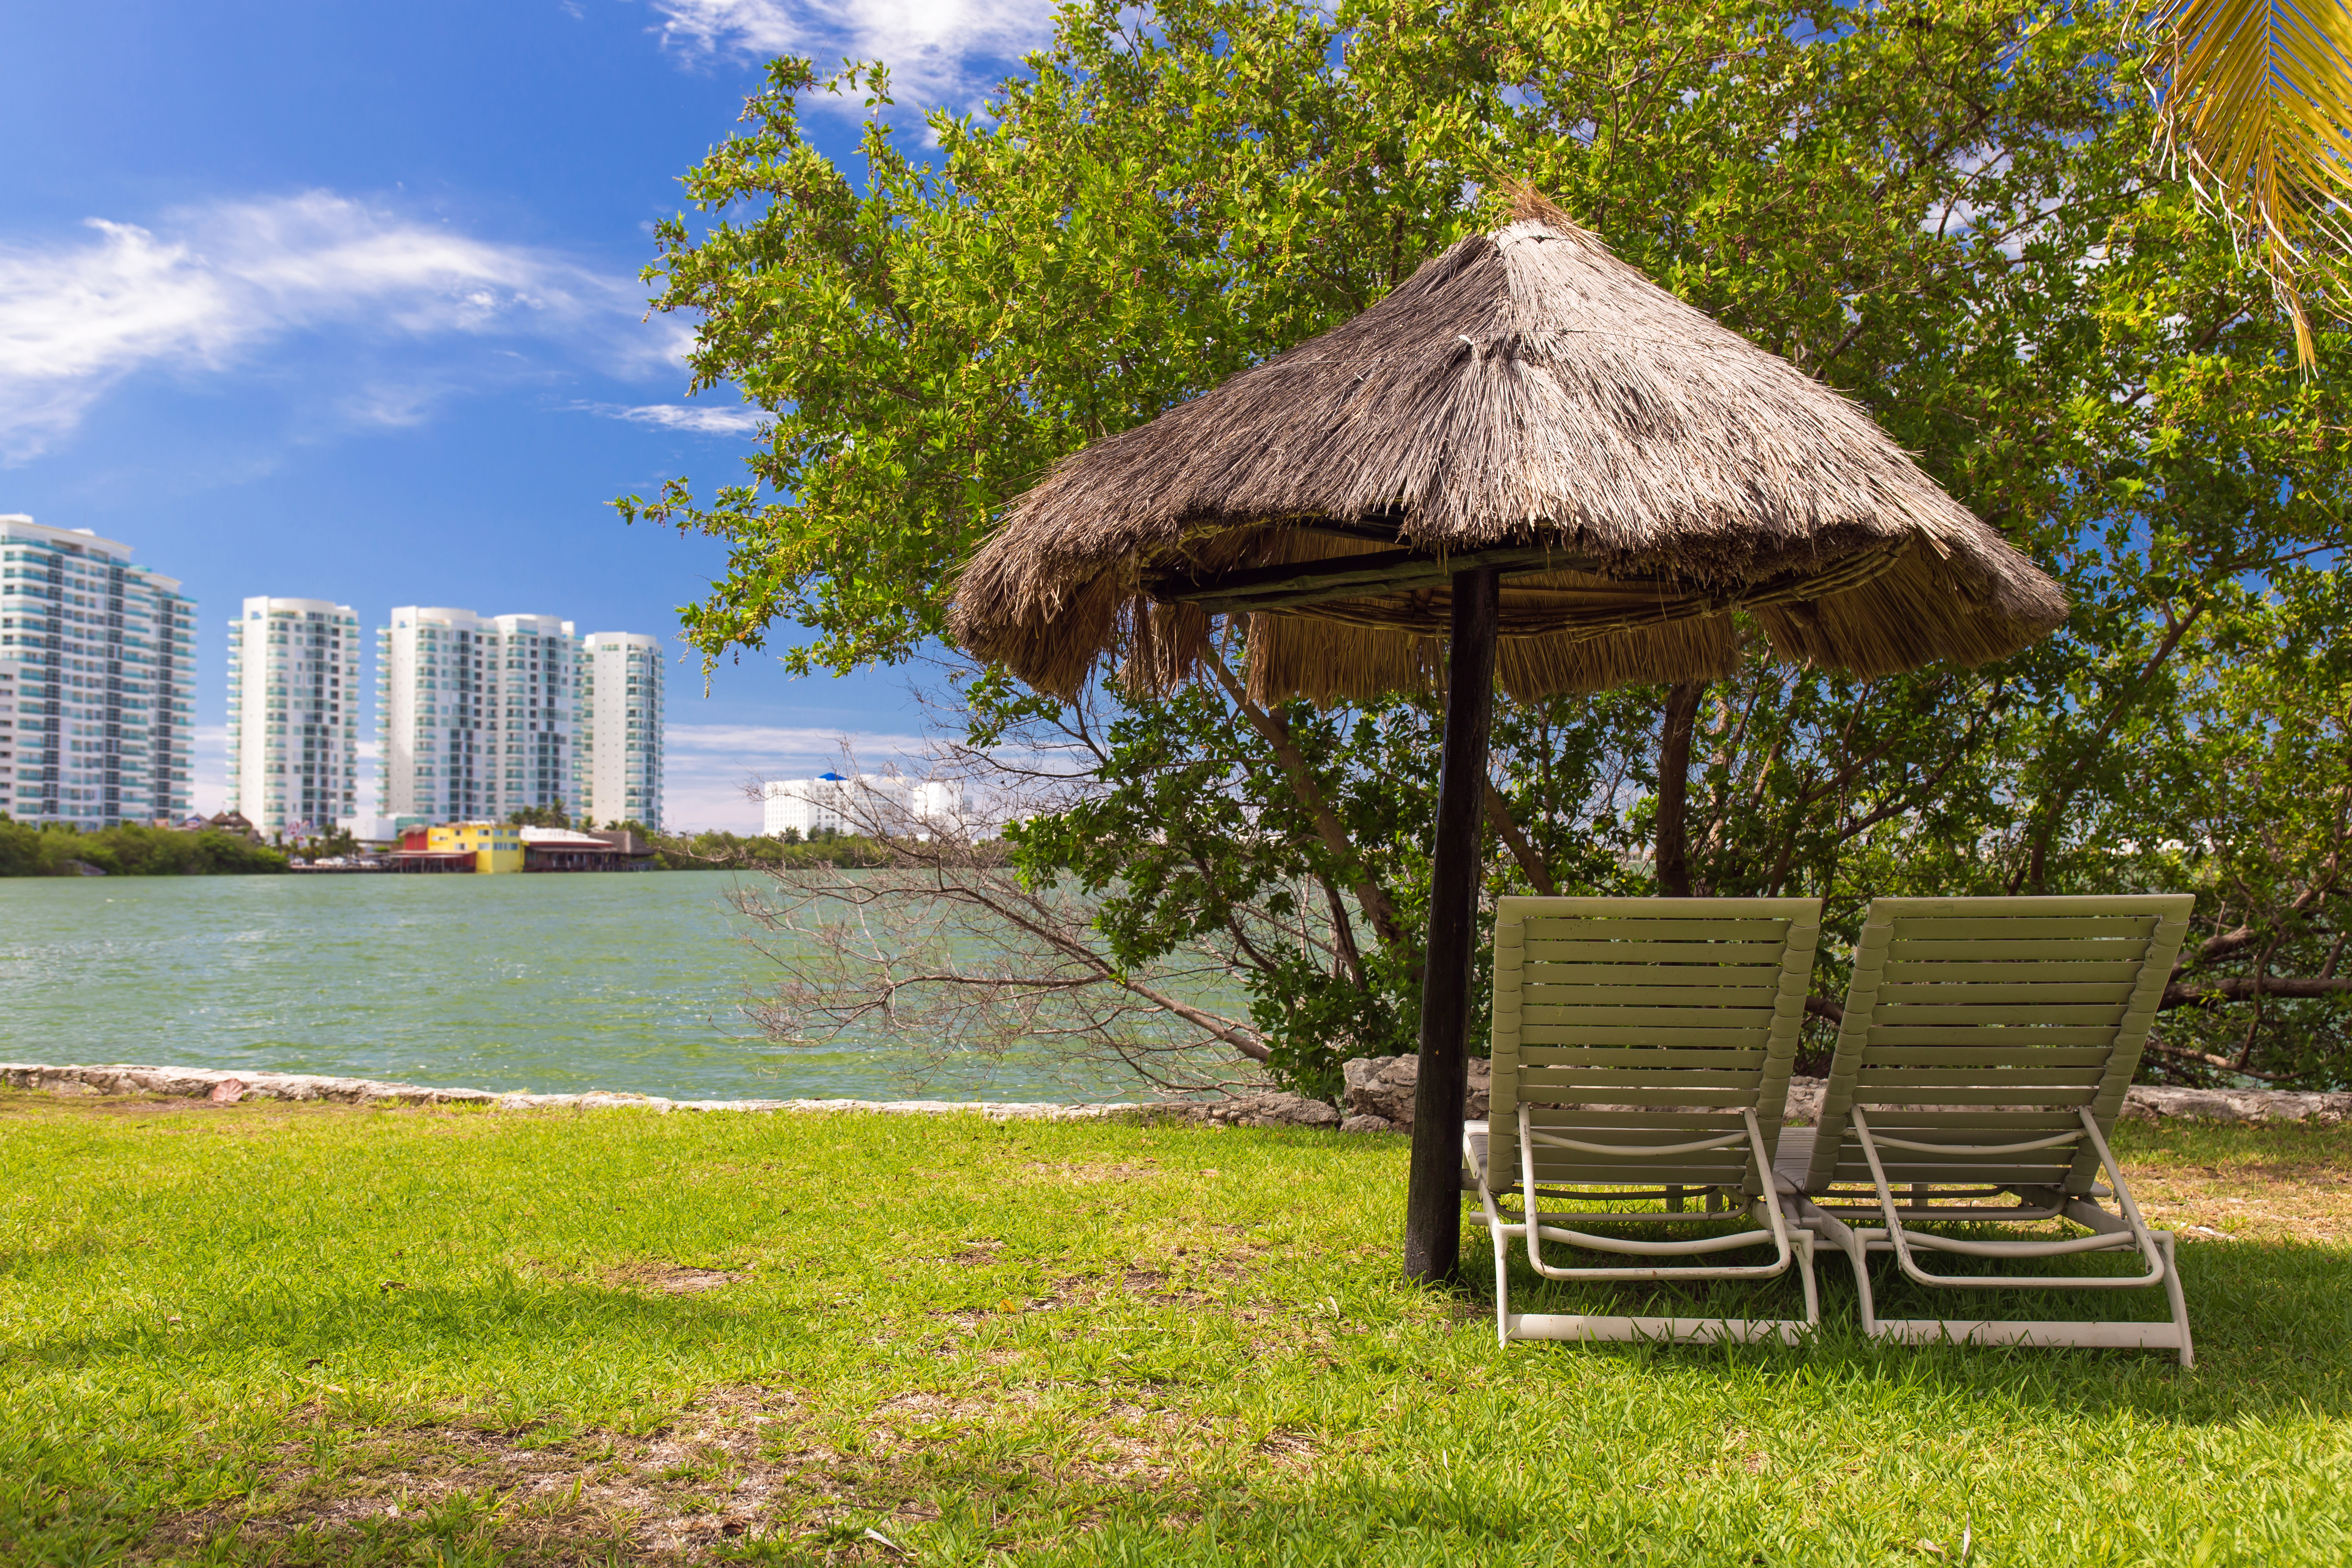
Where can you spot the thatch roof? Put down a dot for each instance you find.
(1525, 389)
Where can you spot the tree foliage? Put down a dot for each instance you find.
(29, 851)
(1949, 212)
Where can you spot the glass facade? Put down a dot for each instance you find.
(294, 715)
(100, 658)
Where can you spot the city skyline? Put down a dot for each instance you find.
(330, 306)
(289, 765)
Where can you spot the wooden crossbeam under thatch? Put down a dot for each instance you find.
(1326, 581)
(1304, 582)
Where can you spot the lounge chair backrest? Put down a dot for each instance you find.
(1646, 1022)
(1990, 1022)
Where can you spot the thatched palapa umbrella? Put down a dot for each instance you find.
(1529, 463)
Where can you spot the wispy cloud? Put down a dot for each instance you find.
(715, 420)
(939, 51)
(207, 287)
(761, 742)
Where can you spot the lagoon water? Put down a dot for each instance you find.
(553, 983)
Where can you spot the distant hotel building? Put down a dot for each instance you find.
(294, 715)
(477, 715)
(832, 804)
(621, 728)
(98, 665)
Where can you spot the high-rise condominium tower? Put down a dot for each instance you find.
(102, 657)
(621, 720)
(476, 715)
(294, 715)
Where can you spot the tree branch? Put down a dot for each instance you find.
(1498, 814)
(1370, 897)
(2252, 987)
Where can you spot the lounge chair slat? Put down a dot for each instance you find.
(1917, 1118)
(2002, 1034)
(1990, 949)
(1725, 999)
(1637, 1125)
(2080, 971)
(2024, 928)
(1664, 931)
(1601, 1035)
(1543, 977)
(1662, 954)
(1654, 1173)
(2074, 1092)
(1596, 1084)
(1539, 1082)
(2102, 1014)
(1972, 1055)
(2064, 992)
(1642, 1056)
(1618, 1015)
(1957, 1174)
(1875, 1076)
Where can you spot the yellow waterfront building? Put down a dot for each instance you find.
(495, 846)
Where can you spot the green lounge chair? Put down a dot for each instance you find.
(1984, 1055)
(1640, 1054)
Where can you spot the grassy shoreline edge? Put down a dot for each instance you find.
(372, 1333)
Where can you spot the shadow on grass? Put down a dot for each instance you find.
(355, 1330)
(2272, 1323)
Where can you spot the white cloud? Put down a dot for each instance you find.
(715, 420)
(762, 742)
(936, 50)
(209, 286)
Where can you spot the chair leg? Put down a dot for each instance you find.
(1804, 1241)
(1818, 1226)
(1502, 1285)
(2172, 1293)
(1858, 1255)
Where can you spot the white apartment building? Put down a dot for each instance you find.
(7, 736)
(621, 728)
(294, 715)
(830, 802)
(477, 715)
(97, 663)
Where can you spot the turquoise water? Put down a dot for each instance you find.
(550, 983)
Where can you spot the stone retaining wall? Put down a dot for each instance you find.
(1378, 1098)
(208, 1083)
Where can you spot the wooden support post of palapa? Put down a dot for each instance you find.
(1432, 1213)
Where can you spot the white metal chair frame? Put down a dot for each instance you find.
(1535, 1224)
(1540, 1226)
(2122, 1230)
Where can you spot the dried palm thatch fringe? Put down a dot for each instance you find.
(1524, 389)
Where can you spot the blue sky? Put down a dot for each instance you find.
(341, 301)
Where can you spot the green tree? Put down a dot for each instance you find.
(1951, 212)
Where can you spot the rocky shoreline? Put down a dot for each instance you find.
(1378, 1098)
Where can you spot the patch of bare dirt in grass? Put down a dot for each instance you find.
(1095, 1172)
(734, 1464)
(661, 1277)
(2256, 1199)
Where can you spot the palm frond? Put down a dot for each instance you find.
(2255, 109)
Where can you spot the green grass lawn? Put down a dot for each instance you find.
(301, 1334)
